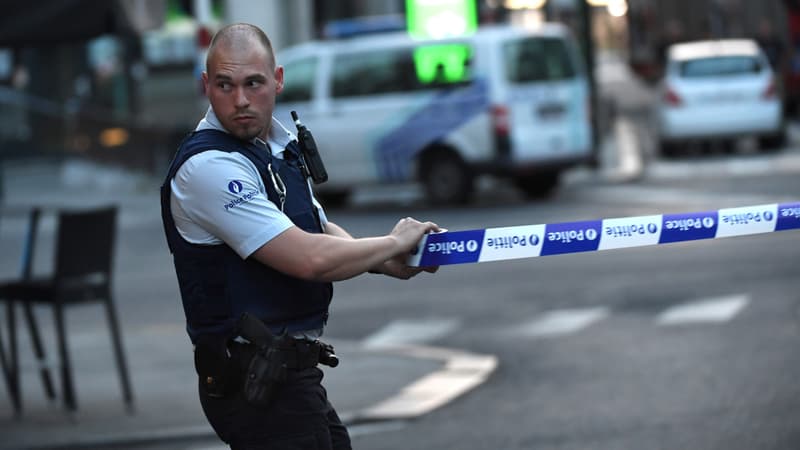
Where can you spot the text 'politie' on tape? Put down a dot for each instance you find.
(527, 241)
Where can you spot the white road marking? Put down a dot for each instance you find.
(460, 373)
(364, 429)
(720, 309)
(561, 322)
(404, 332)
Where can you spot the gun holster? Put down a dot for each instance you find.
(267, 367)
(263, 377)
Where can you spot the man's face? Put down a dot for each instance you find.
(241, 85)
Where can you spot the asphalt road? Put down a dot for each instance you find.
(690, 345)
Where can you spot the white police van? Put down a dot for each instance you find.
(386, 108)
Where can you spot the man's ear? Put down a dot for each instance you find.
(204, 77)
(278, 79)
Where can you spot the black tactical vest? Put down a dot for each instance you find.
(217, 285)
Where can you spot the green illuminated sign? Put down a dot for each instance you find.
(446, 63)
(441, 18)
(431, 19)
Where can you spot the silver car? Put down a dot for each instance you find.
(718, 90)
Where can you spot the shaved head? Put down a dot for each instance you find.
(238, 35)
(242, 80)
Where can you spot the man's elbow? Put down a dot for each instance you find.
(317, 268)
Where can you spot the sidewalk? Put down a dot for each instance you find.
(391, 383)
(165, 394)
(370, 384)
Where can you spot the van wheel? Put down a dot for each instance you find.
(446, 178)
(538, 185)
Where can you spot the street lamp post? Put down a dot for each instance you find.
(589, 49)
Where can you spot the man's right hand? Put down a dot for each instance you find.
(410, 231)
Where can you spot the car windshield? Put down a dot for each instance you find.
(722, 65)
(538, 59)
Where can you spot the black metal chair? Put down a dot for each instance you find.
(10, 372)
(82, 274)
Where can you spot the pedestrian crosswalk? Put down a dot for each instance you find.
(561, 322)
(411, 332)
(711, 310)
(564, 322)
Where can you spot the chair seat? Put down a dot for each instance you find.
(49, 291)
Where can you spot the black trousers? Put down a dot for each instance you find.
(300, 417)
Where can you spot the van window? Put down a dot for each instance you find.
(724, 65)
(538, 59)
(399, 70)
(370, 73)
(298, 80)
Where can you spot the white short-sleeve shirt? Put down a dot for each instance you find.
(220, 197)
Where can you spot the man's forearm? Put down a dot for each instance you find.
(343, 258)
(338, 256)
(324, 257)
(335, 230)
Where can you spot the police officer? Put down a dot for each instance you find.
(248, 236)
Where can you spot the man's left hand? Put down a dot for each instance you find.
(397, 268)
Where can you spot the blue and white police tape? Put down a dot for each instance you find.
(527, 241)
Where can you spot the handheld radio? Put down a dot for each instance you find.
(313, 162)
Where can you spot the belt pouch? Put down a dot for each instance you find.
(214, 366)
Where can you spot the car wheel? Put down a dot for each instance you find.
(538, 185)
(772, 142)
(728, 146)
(333, 199)
(446, 178)
(667, 149)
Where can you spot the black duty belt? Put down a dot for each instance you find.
(295, 353)
(255, 360)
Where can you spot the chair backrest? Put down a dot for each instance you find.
(85, 243)
(26, 263)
